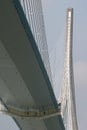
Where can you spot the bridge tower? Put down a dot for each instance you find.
(68, 107)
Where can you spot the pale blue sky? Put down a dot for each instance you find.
(55, 21)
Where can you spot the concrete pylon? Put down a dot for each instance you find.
(68, 106)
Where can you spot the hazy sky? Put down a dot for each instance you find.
(55, 21)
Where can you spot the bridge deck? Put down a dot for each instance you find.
(23, 79)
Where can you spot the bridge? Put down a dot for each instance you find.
(26, 92)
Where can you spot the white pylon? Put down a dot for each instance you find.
(68, 107)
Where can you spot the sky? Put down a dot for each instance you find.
(55, 24)
(54, 12)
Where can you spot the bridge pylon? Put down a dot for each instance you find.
(68, 105)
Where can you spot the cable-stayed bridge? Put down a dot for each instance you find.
(26, 91)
